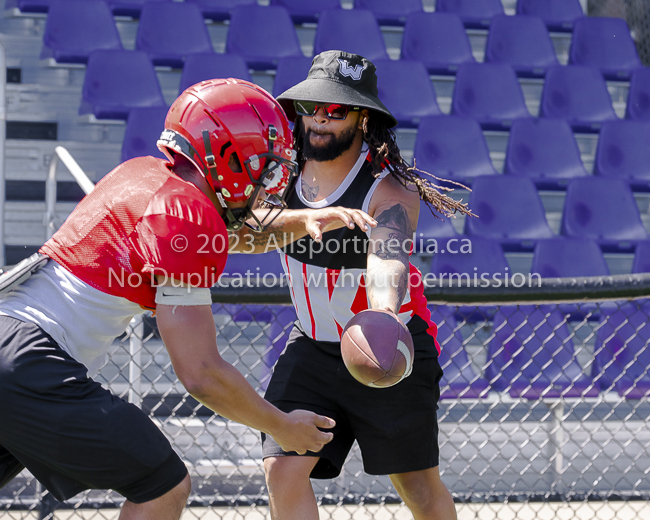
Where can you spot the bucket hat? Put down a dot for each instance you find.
(338, 77)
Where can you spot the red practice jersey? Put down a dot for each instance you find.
(142, 220)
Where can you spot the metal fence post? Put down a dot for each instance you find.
(3, 117)
(557, 429)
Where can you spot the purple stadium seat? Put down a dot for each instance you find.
(638, 98)
(603, 209)
(558, 15)
(622, 361)
(532, 355)
(476, 260)
(130, 8)
(75, 28)
(406, 89)
(544, 150)
(563, 257)
(604, 43)
(521, 41)
(389, 12)
(474, 13)
(354, 31)
(459, 379)
(29, 6)
(509, 209)
(489, 93)
(432, 232)
(485, 258)
(291, 71)
(641, 263)
(438, 40)
(143, 128)
(452, 147)
(169, 48)
(219, 10)
(577, 94)
(116, 82)
(208, 65)
(262, 35)
(624, 152)
(307, 11)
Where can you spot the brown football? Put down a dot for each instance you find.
(377, 348)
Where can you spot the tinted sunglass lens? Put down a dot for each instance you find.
(336, 111)
(305, 108)
(332, 110)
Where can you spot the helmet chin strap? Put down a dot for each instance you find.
(233, 222)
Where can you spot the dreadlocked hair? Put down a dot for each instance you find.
(384, 153)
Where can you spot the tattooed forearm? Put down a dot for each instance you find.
(392, 249)
(395, 218)
(388, 259)
(390, 240)
(248, 241)
(387, 283)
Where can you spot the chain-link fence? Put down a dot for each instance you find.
(637, 15)
(544, 408)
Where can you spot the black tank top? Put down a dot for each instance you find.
(344, 247)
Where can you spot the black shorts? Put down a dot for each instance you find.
(68, 431)
(396, 427)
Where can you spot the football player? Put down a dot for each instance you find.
(153, 234)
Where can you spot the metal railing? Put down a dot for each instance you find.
(62, 154)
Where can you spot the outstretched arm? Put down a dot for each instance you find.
(293, 224)
(190, 337)
(396, 213)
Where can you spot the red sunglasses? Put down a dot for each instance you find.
(331, 110)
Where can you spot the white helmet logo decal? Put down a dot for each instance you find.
(351, 72)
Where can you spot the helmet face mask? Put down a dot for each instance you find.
(272, 185)
(238, 136)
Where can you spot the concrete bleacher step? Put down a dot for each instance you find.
(24, 221)
(20, 48)
(29, 160)
(587, 144)
(59, 103)
(27, 164)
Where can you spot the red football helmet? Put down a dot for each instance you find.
(239, 137)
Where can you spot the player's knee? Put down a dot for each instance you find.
(273, 469)
(418, 497)
(285, 471)
(417, 491)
